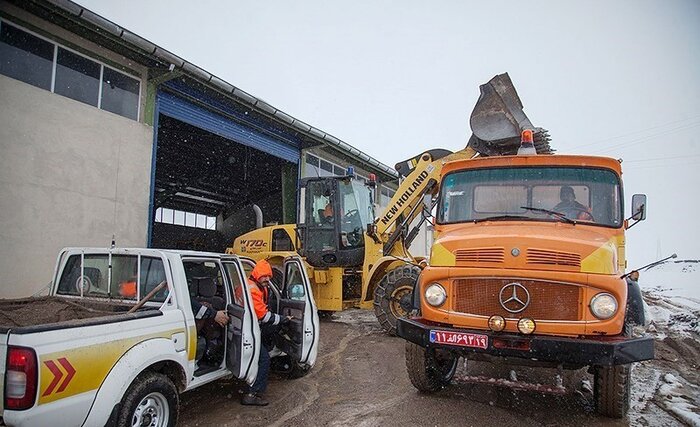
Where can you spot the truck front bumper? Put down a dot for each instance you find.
(603, 351)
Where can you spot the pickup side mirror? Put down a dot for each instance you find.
(639, 210)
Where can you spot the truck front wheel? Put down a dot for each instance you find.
(429, 369)
(612, 390)
(151, 400)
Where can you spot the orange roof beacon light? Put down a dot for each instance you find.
(527, 147)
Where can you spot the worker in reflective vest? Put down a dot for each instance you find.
(258, 284)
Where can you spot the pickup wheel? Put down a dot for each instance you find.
(393, 296)
(429, 370)
(151, 400)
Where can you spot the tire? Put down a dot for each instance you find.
(611, 386)
(298, 370)
(429, 370)
(395, 286)
(151, 397)
(612, 390)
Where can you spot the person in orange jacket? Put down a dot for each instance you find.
(258, 284)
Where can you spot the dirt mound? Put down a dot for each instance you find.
(46, 310)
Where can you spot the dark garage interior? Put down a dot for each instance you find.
(200, 176)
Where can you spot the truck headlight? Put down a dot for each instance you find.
(435, 295)
(603, 306)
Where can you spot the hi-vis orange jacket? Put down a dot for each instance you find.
(260, 294)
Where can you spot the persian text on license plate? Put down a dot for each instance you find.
(459, 338)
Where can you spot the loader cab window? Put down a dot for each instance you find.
(281, 240)
(587, 195)
(355, 210)
(321, 204)
(321, 211)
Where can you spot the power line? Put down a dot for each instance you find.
(646, 139)
(688, 121)
(651, 159)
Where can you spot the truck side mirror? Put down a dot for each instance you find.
(639, 210)
(639, 207)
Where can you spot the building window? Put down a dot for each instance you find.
(77, 77)
(120, 94)
(319, 167)
(42, 63)
(25, 57)
(385, 196)
(186, 219)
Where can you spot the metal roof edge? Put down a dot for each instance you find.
(215, 82)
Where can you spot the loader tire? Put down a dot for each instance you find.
(611, 390)
(429, 369)
(393, 296)
(151, 399)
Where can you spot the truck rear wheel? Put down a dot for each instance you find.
(612, 390)
(151, 400)
(393, 295)
(429, 370)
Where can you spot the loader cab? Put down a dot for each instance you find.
(333, 213)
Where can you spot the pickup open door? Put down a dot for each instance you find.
(298, 301)
(243, 333)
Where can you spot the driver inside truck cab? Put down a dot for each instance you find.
(570, 207)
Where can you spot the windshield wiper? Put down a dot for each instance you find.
(547, 211)
(500, 217)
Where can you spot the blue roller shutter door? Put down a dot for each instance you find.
(190, 113)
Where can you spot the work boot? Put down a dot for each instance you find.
(253, 399)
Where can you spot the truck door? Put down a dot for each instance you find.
(298, 301)
(243, 333)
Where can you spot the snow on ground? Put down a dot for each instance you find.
(666, 391)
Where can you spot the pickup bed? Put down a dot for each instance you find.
(116, 341)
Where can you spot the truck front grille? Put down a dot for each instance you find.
(548, 300)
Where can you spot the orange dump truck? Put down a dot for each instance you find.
(526, 265)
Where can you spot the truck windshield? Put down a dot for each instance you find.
(585, 195)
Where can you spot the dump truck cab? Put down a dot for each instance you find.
(526, 265)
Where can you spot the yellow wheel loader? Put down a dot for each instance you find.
(357, 257)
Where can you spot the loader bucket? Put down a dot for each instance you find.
(498, 118)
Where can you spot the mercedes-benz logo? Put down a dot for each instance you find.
(515, 295)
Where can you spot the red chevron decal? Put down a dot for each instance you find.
(57, 375)
(70, 371)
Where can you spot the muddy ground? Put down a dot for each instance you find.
(360, 380)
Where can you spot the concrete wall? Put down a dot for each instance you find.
(70, 175)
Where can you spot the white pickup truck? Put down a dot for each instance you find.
(82, 356)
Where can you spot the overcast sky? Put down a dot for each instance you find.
(393, 78)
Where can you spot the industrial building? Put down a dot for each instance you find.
(105, 135)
